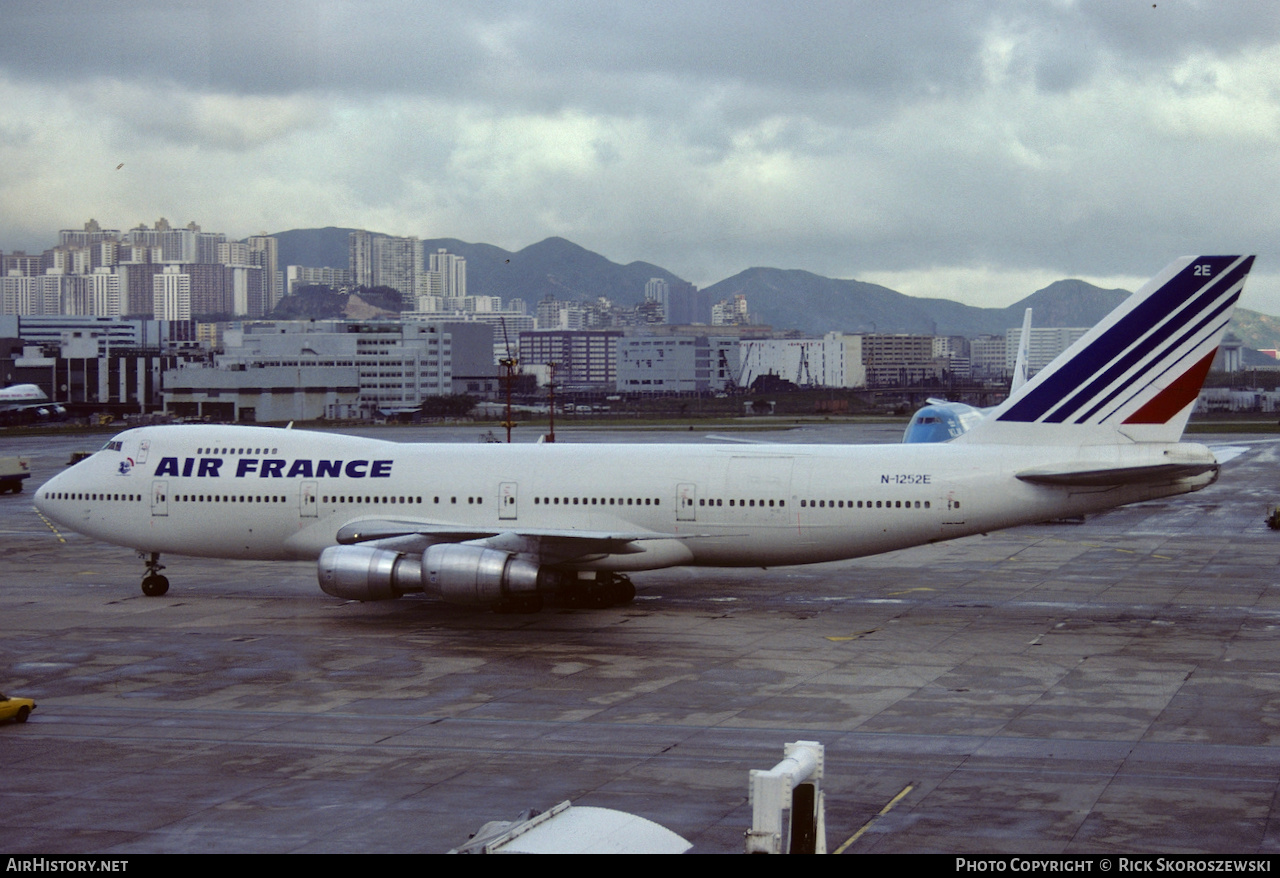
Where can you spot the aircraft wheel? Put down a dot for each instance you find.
(601, 595)
(23, 713)
(626, 591)
(154, 586)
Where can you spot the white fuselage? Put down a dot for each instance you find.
(261, 493)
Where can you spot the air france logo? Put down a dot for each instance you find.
(126, 466)
(274, 468)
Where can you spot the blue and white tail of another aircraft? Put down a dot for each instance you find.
(1136, 375)
(942, 421)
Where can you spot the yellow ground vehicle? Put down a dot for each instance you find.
(16, 709)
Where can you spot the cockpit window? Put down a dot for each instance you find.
(113, 445)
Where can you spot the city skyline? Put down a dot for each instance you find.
(970, 150)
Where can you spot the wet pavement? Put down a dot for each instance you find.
(1101, 687)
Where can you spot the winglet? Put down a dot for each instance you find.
(1136, 375)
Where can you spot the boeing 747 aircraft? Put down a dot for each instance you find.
(505, 525)
(27, 402)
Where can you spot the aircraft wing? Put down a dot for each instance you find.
(550, 545)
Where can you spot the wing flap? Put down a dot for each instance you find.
(551, 545)
(380, 529)
(370, 529)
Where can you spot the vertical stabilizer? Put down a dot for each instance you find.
(1020, 366)
(1136, 375)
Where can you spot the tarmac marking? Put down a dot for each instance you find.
(60, 537)
(1101, 546)
(841, 638)
(883, 811)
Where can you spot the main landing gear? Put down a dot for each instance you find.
(601, 591)
(153, 584)
(606, 590)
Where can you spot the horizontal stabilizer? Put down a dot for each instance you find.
(1225, 453)
(1090, 475)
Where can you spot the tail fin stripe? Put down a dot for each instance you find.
(1128, 330)
(1177, 396)
(1157, 378)
(1174, 346)
(1155, 339)
(1110, 344)
(1133, 378)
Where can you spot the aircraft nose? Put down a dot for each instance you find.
(44, 492)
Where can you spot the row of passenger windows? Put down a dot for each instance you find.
(179, 498)
(363, 499)
(596, 501)
(229, 498)
(236, 451)
(360, 498)
(866, 504)
(543, 501)
(720, 502)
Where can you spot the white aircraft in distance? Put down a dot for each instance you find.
(505, 525)
(27, 401)
(942, 421)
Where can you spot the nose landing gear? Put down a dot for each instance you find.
(153, 584)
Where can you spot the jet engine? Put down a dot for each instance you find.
(454, 572)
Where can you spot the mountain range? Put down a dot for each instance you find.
(782, 298)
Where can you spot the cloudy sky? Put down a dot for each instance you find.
(971, 150)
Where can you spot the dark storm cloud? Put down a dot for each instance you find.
(522, 53)
(694, 63)
(536, 48)
(840, 137)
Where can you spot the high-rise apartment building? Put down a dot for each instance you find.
(383, 261)
(303, 276)
(91, 234)
(96, 271)
(22, 263)
(448, 274)
(172, 294)
(264, 252)
(1046, 342)
(187, 244)
(102, 293)
(731, 312)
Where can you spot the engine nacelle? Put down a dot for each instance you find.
(456, 573)
(476, 575)
(363, 573)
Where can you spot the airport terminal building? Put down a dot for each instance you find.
(294, 370)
